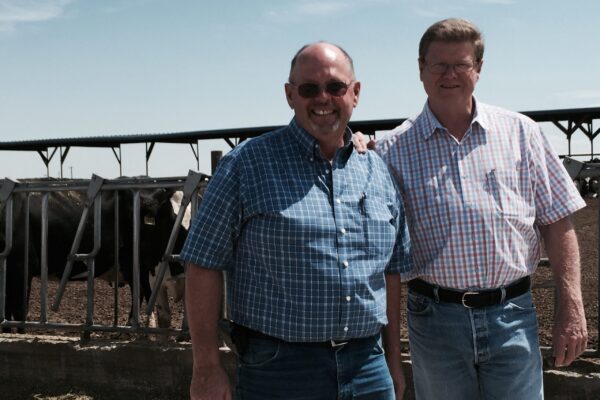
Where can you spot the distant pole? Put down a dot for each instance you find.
(215, 156)
(71, 169)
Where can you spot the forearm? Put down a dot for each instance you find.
(569, 334)
(203, 294)
(391, 332)
(562, 249)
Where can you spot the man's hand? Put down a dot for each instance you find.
(360, 142)
(203, 293)
(397, 373)
(210, 383)
(569, 334)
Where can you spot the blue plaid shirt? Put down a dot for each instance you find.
(305, 242)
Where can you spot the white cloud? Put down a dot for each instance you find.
(322, 8)
(317, 8)
(115, 7)
(13, 12)
(500, 2)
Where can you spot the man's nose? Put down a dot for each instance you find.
(450, 72)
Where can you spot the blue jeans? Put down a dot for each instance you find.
(271, 370)
(461, 353)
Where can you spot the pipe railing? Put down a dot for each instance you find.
(94, 188)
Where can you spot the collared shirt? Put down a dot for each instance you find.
(474, 206)
(305, 242)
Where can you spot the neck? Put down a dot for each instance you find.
(456, 117)
(328, 149)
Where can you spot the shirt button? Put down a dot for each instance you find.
(348, 298)
(312, 159)
(338, 201)
(326, 172)
(345, 329)
(345, 264)
(343, 231)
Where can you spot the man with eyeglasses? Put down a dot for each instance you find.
(310, 233)
(481, 185)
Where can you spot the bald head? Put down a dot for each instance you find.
(323, 92)
(328, 49)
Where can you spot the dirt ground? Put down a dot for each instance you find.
(73, 307)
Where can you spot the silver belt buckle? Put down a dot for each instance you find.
(464, 299)
(338, 344)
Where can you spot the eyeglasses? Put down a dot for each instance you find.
(442, 68)
(311, 90)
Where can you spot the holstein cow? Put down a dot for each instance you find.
(64, 212)
(173, 284)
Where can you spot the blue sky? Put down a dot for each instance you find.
(75, 68)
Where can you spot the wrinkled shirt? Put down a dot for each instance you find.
(474, 206)
(305, 242)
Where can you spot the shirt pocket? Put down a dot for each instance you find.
(507, 192)
(379, 226)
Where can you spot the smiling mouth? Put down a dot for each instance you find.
(322, 113)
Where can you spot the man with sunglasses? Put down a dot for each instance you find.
(310, 233)
(481, 185)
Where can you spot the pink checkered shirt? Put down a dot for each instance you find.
(474, 206)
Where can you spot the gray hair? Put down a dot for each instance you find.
(452, 30)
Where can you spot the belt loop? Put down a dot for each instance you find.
(435, 293)
(503, 291)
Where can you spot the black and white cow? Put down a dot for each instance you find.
(64, 212)
(173, 283)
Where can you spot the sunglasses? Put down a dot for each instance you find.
(311, 90)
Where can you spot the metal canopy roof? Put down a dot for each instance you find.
(576, 116)
(576, 119)
(116, 140)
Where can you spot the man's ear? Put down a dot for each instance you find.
(288, 94)
(421, 63)
(478, 69)
(356, 90)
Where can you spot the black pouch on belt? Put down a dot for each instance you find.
(234, 335)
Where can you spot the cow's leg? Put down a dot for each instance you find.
(184, 335)
(162, 306)
(17, 298)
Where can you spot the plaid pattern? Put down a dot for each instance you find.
(305, 242)
(474, 207)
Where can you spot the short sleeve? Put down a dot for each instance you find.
(556, 196)
(401, 261)
(215, 228)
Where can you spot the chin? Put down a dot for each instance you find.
(326, 129)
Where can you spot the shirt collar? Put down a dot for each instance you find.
(480, 117)
(310, 146)
(432, 124)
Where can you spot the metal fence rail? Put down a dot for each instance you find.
(191, 186)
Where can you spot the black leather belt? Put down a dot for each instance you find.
(471, 298)
(252, 334)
